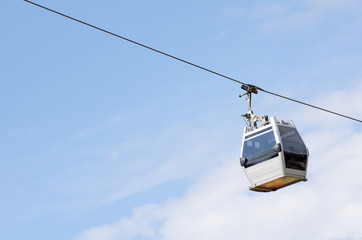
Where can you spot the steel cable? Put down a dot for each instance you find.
(192, 64)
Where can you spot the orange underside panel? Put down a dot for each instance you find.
(280, 182)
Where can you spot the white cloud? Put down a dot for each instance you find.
(233, 11)
(346, 101)
(220, 206)
(106, 172)
(328, 4)
(303, 20)
(274, 9)
(284, 16)
(141, 224)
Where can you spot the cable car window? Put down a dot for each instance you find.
(259, 149)
(295, 152)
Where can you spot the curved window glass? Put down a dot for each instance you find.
(260, 148)
(295, 152)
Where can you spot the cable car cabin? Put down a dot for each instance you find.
(273, 156)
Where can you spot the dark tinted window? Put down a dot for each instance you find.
(259, 149)
(295, 152)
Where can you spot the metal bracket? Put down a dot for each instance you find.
(252, 119)
(250, 88)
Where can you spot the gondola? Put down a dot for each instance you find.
(273, 155)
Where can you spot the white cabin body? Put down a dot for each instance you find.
(273, 156)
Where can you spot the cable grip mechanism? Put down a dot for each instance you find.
(251, 118)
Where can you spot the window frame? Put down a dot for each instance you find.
(263, 154)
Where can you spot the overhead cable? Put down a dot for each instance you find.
(190, 63)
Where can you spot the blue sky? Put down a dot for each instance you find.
(102, 139)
